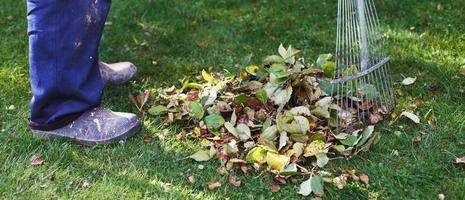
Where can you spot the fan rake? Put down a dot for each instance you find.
(362, 85)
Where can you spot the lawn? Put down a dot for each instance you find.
(169, 39)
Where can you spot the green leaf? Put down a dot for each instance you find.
(298, 137)
(282, 96)
(196, 109)
(327, 87)
(317, 186)
(276, 161)
(282, 51)
(368, 90)
(231, 147)
(306, 187)
(321, 159)
(231, 129)
(298, 148)
(365, 135)
(282, 140)
(279, 70)
(300, 110)
(303, 123)
(322, 59)
(244, 131)
(290, 170)
(321, 112)
(269, 133)
(158, 110)
(339, 148)
(262, 96)
(241, 99)
(214, 121)
(349, 141)
(313, 184)
(273, 59)
(256, 155)
(328, 69)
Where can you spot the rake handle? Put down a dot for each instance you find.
(364, 55)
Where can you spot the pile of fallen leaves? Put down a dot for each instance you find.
(278, 117)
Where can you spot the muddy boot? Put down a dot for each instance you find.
(97, 126)
(117, 73)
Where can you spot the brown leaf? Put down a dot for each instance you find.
(417, 139)
(133, 100)
(275, 187)
(280, 179)
(214, 185)
(439, 7)
(420, 102)
(364, 178)
(463, 71)
(375, 118)
(245, 168)
(37, 160)
(193, 95)
(222, 170)
(424, 134)
(254, 104)
(148, 139)
(233, 181)
(191, 178)
(194, 22)
(460, 160)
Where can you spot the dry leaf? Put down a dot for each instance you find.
(411, 116)
(85, 184)
(148, 139)
(460, 160)
(245, 168)
(440, 7)
(409, 81)
(441, 196)
(375, 118)
(420, 102)
(37, 160)
(364, 178)
(275, 187)
(417, 139)
(191, 178)
(214, 185)
(233, 181)
(341, 181)
(222, 170)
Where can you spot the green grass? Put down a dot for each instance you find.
(433, 51)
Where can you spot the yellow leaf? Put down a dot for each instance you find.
(208, 77)
(314, 148)
(256, 155)
(252, 69)
(276, 161)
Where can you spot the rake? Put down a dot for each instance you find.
(362, 85)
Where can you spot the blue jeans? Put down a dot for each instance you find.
(64, 37)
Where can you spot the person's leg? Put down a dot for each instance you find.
(67, 87)
(64, 36)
